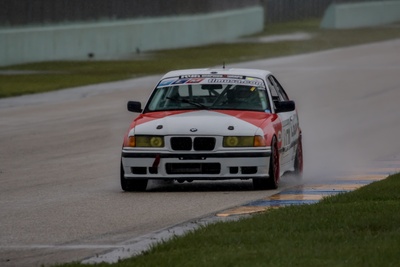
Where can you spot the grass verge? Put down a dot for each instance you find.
(51, 76)
(360, 228)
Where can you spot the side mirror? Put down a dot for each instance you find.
(285, 106)
(134, 106)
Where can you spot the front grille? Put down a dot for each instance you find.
(198, 144)
(204, 143)
(181, 143)
(193, 168)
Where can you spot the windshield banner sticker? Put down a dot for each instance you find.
(203, 79)
(212, 76)
(254, 82)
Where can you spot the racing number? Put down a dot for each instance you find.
(286, 138)
(295, 125)
(290, 132)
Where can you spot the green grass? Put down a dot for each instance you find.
(65, 74)
(360, 228)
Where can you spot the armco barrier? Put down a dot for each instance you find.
(105, 40)
(357, 15)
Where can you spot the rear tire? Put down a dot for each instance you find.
(298, 161)
(138, 185)
(272, 181)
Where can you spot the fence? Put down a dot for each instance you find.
(39, 12)
(69, 29)
(42, 12)
(288, 10)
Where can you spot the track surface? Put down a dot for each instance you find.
(60, 198)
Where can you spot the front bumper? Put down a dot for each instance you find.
(195, 166)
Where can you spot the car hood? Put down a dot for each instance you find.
(199, 122)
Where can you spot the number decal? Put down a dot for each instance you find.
(286, 138)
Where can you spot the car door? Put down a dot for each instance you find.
(289, 122)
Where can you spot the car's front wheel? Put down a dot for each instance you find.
(272, 181)
(132, 185)
(298, 161)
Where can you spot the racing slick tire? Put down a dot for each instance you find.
(298, 161)
(272, 181)
(132, 185)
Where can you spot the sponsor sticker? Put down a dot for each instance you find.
(180, 81)
(213, 79)
(167, 82)
(212, 76)
(195, 80)
(257, 83)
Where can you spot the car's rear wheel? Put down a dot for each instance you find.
(272, 181)
(298, 161)
(132, 185)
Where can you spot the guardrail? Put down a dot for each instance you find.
(124, 38)
(59, 36)
(49, 12)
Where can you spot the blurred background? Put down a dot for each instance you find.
(44, 12)
(48, 30)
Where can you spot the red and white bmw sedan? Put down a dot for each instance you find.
(213, 124)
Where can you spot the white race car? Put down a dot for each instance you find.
(213, 124)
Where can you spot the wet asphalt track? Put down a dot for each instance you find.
(59, 156)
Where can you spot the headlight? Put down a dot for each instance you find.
(146, 141)
(231, 141)
(243, 141)
(259, 141)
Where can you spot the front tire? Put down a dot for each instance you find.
(298, 162)
(132, 185)
(274, 168)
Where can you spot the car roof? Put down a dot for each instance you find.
(256, 73)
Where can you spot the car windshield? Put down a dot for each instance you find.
(243, 96)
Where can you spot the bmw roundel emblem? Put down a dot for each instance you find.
(193, 130)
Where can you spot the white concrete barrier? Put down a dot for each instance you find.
(106, 40)
(358, 15)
